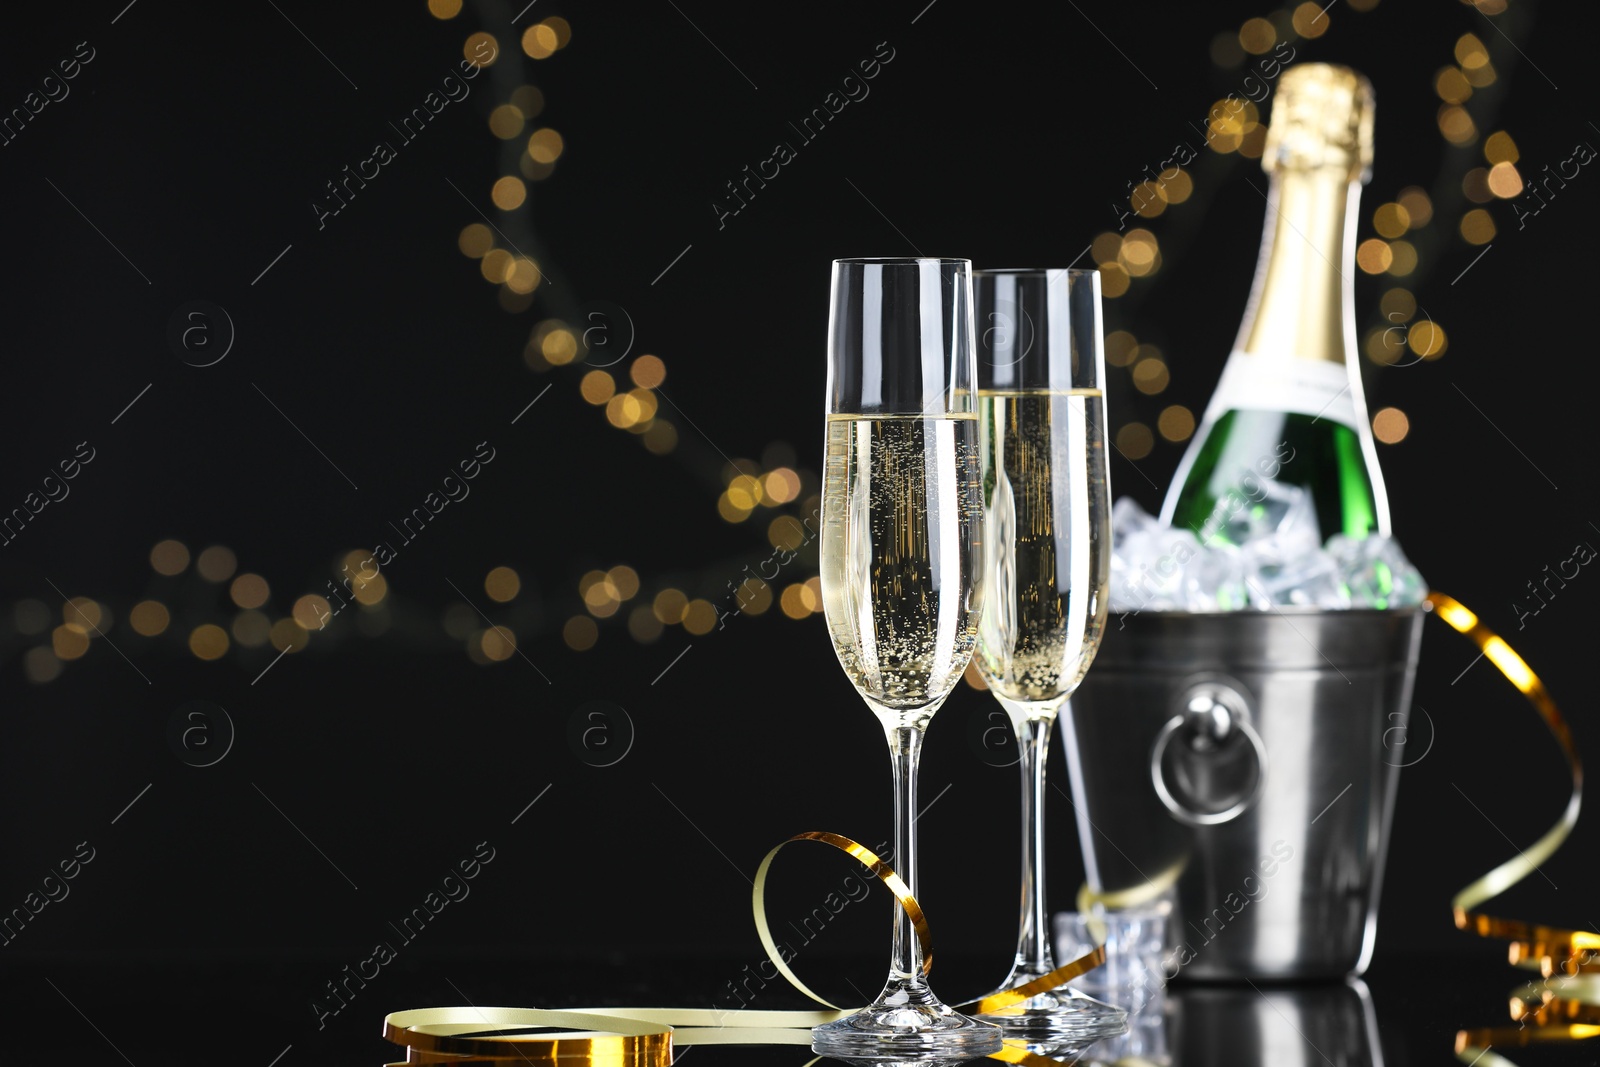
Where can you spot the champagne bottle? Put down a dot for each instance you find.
(1289, 407)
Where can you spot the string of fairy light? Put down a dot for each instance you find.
(204, 603)
(1401, 227)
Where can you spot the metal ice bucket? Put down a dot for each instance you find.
(1244, 766)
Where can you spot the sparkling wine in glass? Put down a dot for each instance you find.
(901, 535)
(1047, 558)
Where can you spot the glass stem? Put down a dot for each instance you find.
(1033, 942)
(905, 747)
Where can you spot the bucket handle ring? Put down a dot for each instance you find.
(1215, 710)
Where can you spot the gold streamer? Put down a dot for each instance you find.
(647, 1037)
(1565, 1005)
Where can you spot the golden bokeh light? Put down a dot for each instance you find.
(208, 641)
(780, 485)
(1403, 258)
(506, 121)
(623, 410)
(580, 633)
(1176, 423)
(545, 146)
(1452, 85)
(1475, 185)
(648, 372)
(249, 591)
(1114, 280)
(251, 629)
(1504, 181)
(1146, 200)
(1257, 35)
(1391, 220)
(561, 28)
(523, 276)
(1397, 305)
(1384, 345)
(794, 601)
(1390, 426)
(1122, 348)
(700, 617)
(730, 511)
(1427, 339)
(1140, 253)
(370, 592)
(528, 100)
(1470, 52)
(1456, 125)
(311, 612)
(1104, 248)
(502, 584)
(498, 643)
(85, 616)
(495, 265)
(1477, 226)
(745, 492)
(481, 49)
(643, 626)
(217, 563)
(1419, 207)
(1150, 376)
(755, 597)
(559, 346)
(289, 636)
(41, 665)
(475, 240)
(1135, 440)
(444, 9)
(149, 618)
(1176, 185)
(1374, 256)
(68, 643)
(169, 558)
(625, 580)
(597, 387)
(786, 534)
(1500, 148)
(661, 437)
(508, 193)
(539, 41)
(669, 605)
(1310, 20)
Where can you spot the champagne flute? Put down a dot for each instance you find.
(1041, 404)
(901, 532)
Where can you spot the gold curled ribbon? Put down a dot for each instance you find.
(867, 858)
(1565, 1005)
(647, 1037)
(902, 895)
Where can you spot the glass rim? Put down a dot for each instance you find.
(901, 261)
(1036, 272)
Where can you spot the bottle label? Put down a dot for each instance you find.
(1259, 382)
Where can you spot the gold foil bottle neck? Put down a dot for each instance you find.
(1321, 118)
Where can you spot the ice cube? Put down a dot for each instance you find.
(1268, 556)
(1303, 580)
(1376, 572)
(1214, 581)
(1283, 513)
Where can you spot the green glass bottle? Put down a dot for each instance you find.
(1289, 408)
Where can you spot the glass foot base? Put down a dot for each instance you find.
(923, 1031)
(1061, 1016)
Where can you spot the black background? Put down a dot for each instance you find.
(196, 141)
